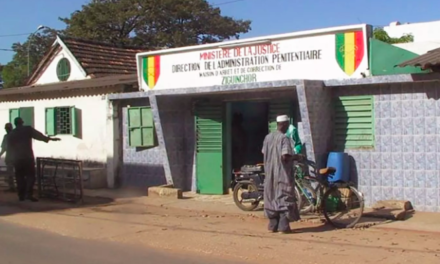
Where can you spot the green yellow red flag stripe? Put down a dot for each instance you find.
(350, 50)
(151, 70)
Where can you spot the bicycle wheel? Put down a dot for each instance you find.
(308, 199)
(298, 197)
(337, 204)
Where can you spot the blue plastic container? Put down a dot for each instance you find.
(341, 162)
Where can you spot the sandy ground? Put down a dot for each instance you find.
(242, 236)
(21, 245)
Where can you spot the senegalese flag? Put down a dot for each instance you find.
(350, 50)
(151, 70)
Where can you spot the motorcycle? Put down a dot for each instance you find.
(248, 187)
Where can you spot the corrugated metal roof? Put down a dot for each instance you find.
(72, 85)
(425, 61)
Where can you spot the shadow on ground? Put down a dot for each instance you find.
(93, 198)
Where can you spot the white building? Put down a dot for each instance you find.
(426, 35)
(66, 97)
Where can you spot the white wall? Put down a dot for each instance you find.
(426, 31)
(50, 74)
(94, 142)
(419, 47)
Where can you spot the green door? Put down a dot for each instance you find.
(279, 107)
(209, 148)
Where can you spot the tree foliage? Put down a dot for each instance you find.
(145, 23)
(153, 23)
(15, 72)
(382, 35)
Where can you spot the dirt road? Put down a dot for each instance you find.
(233, 237)
(21, 245)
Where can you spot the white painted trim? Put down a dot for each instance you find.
(299, 34)
(75, 61)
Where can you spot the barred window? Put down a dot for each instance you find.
(62, 121)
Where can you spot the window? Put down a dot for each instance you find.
(141, 127)
(354, 122)
(26, 113)
(62, 121)
(63, 69)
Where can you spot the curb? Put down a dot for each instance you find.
(165, 191)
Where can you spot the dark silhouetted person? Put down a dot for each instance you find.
(22, 156)
(9, 165)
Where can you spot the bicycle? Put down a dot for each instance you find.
(325, 197)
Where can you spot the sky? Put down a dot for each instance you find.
(18, 18)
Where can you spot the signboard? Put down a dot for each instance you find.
(322, 56)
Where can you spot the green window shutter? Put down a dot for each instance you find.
(75, 121)
(134, 123)
(141, 127)
(13, 113)
(27, 114)
(276, 108)
(50, 122)
(147, 127)
(354, 122)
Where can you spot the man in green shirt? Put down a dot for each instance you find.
(292, 134)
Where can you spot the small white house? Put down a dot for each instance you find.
(66, 97)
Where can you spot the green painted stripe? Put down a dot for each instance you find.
(349, 103)
(353, 114)
(353, 98)
(353, 126)
(353, 108)
(340, 43)
(145, 69)
(342, 131)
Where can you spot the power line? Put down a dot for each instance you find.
(15, 35)
(227, 2)
(6, 50)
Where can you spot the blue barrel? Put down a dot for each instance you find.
(341, 162)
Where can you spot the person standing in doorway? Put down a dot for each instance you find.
(9, 166)
(22, 156)
(279, 199)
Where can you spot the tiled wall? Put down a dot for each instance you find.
(405, 161)
(139, 167)
(178, 133)
(316, 107)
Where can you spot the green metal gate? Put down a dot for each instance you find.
(209, 148)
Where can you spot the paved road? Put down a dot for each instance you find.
(20, 245)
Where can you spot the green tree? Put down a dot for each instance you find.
(15, 72)
(382, 35)
(150, 24)
(153, 23)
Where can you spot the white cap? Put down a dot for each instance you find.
(282, 118)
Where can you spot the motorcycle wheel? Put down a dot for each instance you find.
(250, 187)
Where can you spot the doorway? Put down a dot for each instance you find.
(249, 127)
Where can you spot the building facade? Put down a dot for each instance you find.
(66, 97)
(195, 101)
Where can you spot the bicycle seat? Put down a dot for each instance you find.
(325, 171)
